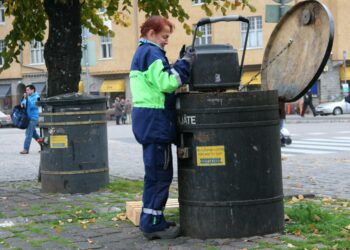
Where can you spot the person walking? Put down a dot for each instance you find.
(153, 84)
(29, 102)
(128, 110)
(122, 103)
(118, 110)
(307, 101)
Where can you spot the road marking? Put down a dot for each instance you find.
(328, 140)
(322, 143)
(316, 133)
(317, 146)
(322, 147)
(290, 149)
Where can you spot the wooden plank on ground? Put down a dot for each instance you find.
(133, 209)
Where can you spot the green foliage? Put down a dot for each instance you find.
(30, 19)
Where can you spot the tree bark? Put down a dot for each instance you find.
(63, 47)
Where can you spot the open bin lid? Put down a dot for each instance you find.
(298, 50)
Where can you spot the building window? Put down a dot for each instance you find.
(36, 52)
(255, 38)
(2, 46)
(205, 32)
(106, 46)
(2, 14)
(197, 2)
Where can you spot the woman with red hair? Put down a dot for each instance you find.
(153, 83)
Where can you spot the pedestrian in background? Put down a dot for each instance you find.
(122, 103)
(308, 102)
(127, 108)
(153, 83)
(118, 110)
(29, 102)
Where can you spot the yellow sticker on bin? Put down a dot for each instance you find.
(210, 156)
(58, 141)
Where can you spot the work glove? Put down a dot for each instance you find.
(182, 51)
(188, 57)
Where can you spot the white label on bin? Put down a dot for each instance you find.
(187, 119)
(58, 141)
(210, 156)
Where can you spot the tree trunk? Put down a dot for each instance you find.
(63, 47)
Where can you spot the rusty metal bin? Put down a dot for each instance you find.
(74, 156)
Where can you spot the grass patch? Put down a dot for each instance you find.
(318, 223)
(120, 186)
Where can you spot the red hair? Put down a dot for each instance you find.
(156, 23)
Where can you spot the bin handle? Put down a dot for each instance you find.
(231, 18)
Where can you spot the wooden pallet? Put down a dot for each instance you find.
(133, 209)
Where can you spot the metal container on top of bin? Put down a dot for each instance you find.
(229, 157)
(74, 156)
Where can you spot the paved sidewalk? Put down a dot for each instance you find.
(29, 219)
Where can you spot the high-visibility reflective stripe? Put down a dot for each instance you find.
(151, 211)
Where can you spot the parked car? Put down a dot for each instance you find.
(5, 120)
(337, 107)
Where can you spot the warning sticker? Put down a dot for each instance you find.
(210, 156)
(58, 141)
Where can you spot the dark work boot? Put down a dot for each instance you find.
(168, 233)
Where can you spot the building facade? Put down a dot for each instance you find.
(106, 60)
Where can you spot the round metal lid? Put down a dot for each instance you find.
(298, 50)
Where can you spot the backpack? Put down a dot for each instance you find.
(19, 117)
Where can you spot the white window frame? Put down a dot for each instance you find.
(2, 14)
(207, 37)
(2, 46)
(197, 2)
(255, 37)
(106, 43)
(36, 53)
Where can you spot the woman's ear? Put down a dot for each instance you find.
(150, 33)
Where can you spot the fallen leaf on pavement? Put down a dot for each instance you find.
(289, 245)
(57, 229)
(301, 197)
(90, 241)
(286, 218)
(297, 233)
(317, 218)
(69, 220)
(60, 222)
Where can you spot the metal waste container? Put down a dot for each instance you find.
(74, 156)
(232, 184)
(229, 157)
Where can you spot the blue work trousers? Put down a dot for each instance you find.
(158, 177)
(30, 133)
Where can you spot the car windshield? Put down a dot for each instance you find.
(337, 98)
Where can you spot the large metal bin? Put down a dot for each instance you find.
(229, 166)
(74, 157)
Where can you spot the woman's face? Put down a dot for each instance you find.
(160, 38)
